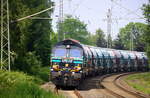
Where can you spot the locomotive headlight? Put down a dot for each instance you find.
(52, 69)
(80, 71)
(68, 47)
(55, 67)
(66, 65)
(73, 73)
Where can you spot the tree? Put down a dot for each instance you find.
(73, 28)
(133, 31)
(30, 39)
(100, 40)
(41, 29)
(118, 43)
(92, 39)
(146, 12)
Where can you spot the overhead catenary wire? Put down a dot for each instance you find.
(26, 17)
(41, 18)
(78, 5)
(133, 12)
(120, 18)
(37, 13)
(129, 12)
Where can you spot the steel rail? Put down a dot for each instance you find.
(131, 92)
(135, 93)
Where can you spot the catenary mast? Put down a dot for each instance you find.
(5, 39)
(60, 20)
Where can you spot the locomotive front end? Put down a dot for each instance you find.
(66, 64)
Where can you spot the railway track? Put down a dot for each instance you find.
(123, 85)
(113, 84)
(65, 92)
(91, 88)
(105, 86)
(70, 93)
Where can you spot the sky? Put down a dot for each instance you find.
(94, 13)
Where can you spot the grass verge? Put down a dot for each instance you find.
(140, 82)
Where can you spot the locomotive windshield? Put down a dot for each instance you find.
(75, 53)
(60, 52)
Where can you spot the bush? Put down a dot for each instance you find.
(33, 62)
(20, 85)
(28, 63)
(26, 90)
(43, 73)
(9, 79)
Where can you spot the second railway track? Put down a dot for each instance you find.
(112, 83)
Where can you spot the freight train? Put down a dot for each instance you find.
(71, 62)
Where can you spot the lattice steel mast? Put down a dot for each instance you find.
(5, 40)
(60, 32)
(109, 22)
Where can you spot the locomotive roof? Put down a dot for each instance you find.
(69, 42)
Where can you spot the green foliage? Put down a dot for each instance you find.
(76, 29)
(147, 40)
(100, 40)
(32, 59)
(30, 63)
(97, 39)
(118, 43)
(54, 38)
(141, 82)
(134, 30)
(10, 79)
(146, 9)
(20, 85)
(43, 73)
(73, 28)
(30, 39)
(26, 90)
(146, 12)
(92, 39)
